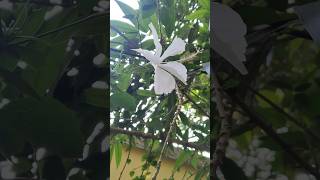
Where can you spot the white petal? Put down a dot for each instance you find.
(229, 54)
(177, 46)
(85, 152)
(164, 83)
(228, 38)
(148, 55)
(309, 15)
(176, 69)
(235, 27)
(156, 40)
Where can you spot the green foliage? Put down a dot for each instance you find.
(47, 108)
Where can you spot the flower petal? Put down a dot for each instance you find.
(177, 46)
(156, 40)
(229, 38)
(176, 69)
(164, 83)
(148, 55)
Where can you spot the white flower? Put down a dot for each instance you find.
(164, 82)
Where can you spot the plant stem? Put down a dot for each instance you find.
(173, 122)
(125, 164)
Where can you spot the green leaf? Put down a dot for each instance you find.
(44, 123)
(131, 173)
(200, 174)
(95, 97)
(197, 14)
(148, 44)
(19, 83)
(147, 7)
(8, 61)
(232, 171)
(194, 160)
(122, 26)
(146, 93)
(118, 152)
(205, 4)
(184, 119)
(124, 81)
(168, 16)
(122, 100)
(129, 12)
(35, 19)
(44, 74)
(183, 157)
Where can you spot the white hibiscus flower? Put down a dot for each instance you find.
(164, 81)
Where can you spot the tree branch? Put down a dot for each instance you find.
(226, 125)
(140, 134)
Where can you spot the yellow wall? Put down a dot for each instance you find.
(136, 163)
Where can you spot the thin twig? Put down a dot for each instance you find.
(125, 164)
(176, 115)
(158, 8)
